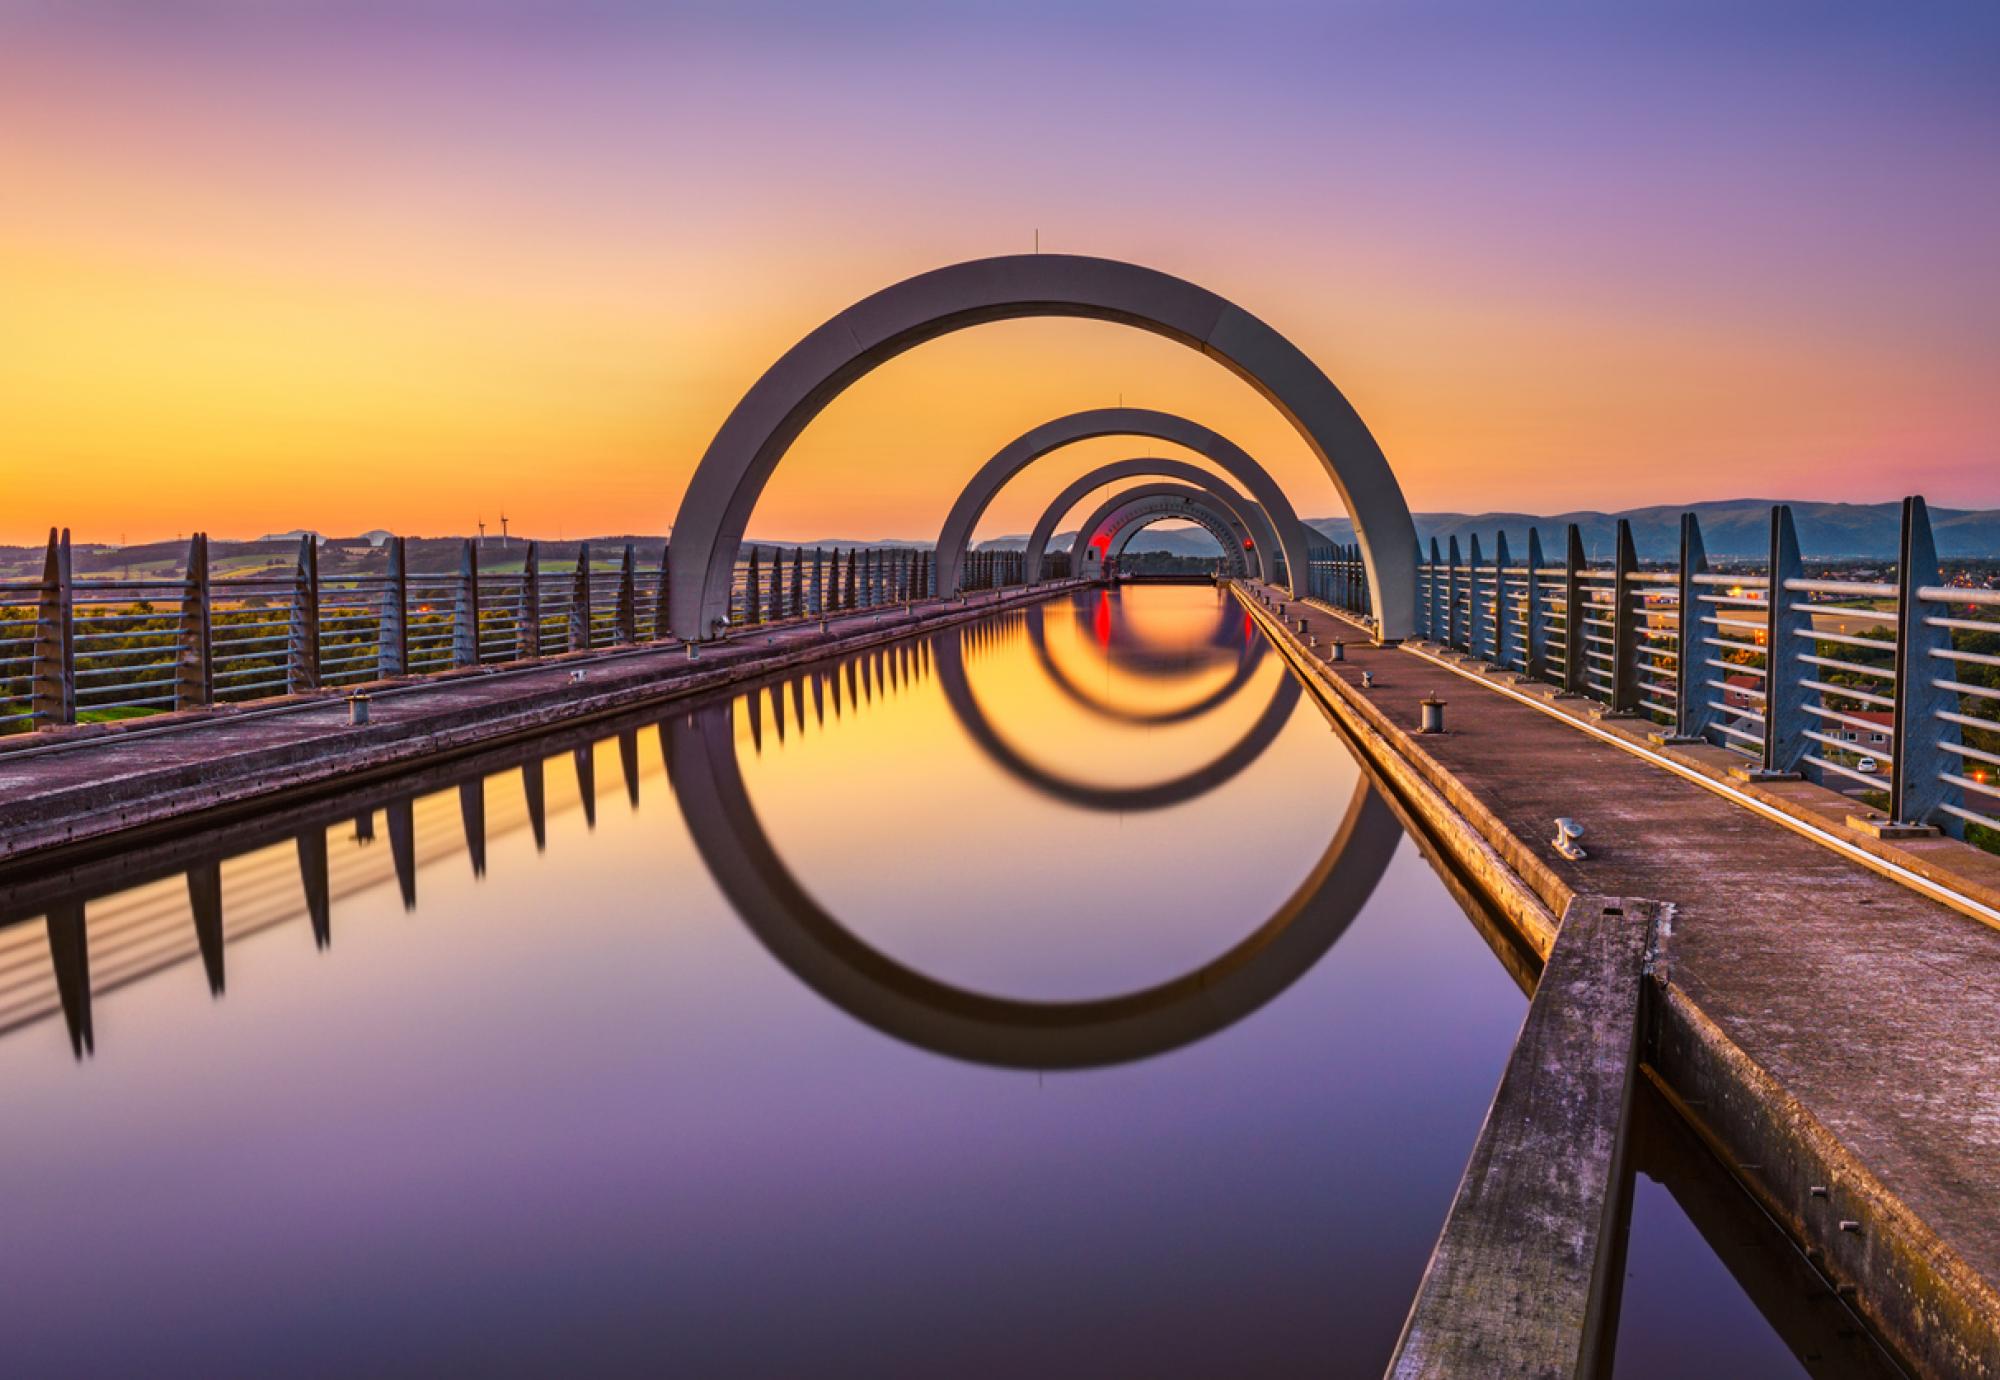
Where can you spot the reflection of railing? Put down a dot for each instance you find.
(1889, 690)
(76, 650)
(162, 905)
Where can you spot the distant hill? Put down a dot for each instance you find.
(1736, 528)
(1739, 527)
(1733, 528)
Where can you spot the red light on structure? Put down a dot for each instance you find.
(1246, 544)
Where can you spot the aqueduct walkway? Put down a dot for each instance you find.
(1829, 1029)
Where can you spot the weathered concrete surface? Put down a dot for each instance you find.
(117, 782)
(1829, 1027)
(1519, 1281)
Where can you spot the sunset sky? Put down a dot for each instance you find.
(266, 266)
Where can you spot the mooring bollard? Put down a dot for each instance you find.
(1337, 652)
(1431, 714)
(357, 710)
(1568, 831)
(578, 676)
(694, 654)
(1367, 680)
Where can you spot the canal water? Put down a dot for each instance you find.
(1051, 995)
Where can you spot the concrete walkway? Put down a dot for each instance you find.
(1835, 1034)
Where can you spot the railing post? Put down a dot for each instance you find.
(777, 584)
(853, 559)
(528, 630)
(798, 582)
(1503, 599)
(1451, 595)
(1785, 694)
(1624, 624)
(1433, 624)
(1535, 654)
(392, 643)
(662, 622)
(1691, 701)
(819, 583)
(302, 673)
(52, 693)
(465, 608)
(194, 675)
(1575, 663)
(628, 597)
(1918, 759)
(579, 600)
(1475, 620)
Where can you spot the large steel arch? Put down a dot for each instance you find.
(733, 471)
(1166, 500)
(1252, 512)
(1295, 540)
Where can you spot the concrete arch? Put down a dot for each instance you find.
(714, 512)
(1252, 512)
(1134, 518)
(1130, 519)
(1295, 541)
(1163, 500)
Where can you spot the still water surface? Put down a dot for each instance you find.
(1046, 996)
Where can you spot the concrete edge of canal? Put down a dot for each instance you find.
(1938, 1314)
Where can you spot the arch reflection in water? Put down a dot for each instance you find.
(1233, 636)
(1013, 1033)
(1116, 799)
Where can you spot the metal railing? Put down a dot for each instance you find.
(85, 650)
(1338, 576)
(1004, 569)
(1886, 690)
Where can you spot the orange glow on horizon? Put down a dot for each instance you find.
(249, 289)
